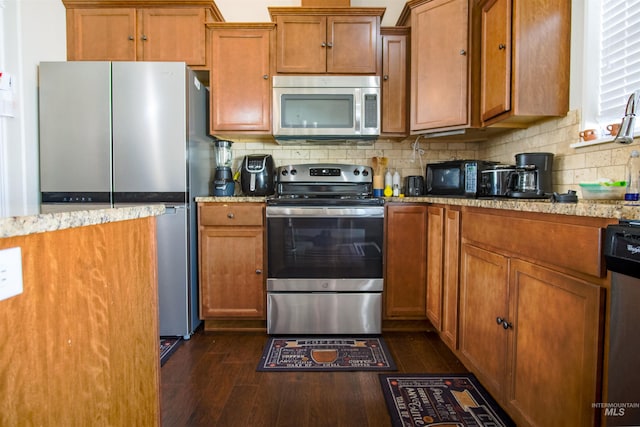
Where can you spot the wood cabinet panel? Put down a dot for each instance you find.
(435, 266)
(553, 346)
(231, 261)
(240, 82)
(174, 34)
(450, 277)
(439, 65)
(327, 40)
(86, 291)
(528, 79)
(301, 44)
(231, 273)
(395, 82)
(101, 34)
(496, 58)
(484, 296)
(405, 261)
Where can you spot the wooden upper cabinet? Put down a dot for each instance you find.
(525, 62)
(174, 34)
(496, 58)
(395, 81)
(139, 30)
(240, 82)
(326, 40)
(439, 64)
(101, 34)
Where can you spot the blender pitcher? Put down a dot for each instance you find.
(223, 184)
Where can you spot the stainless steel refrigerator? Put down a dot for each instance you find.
(123, 133)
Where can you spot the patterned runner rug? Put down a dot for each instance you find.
(334, 353)
(167, 346)
(440, 399)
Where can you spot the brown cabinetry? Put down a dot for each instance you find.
(443, 254)
(133, 30)
(231, 260)
(405, 267)
(395, 81)
(326, 40)
(440, 63)
(531, 314)
(240, 78)
(525, 53)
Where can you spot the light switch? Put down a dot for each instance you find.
(10, 273)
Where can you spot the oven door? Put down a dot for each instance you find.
(325, 248)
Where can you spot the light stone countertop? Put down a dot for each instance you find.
(589, 208)
(62, 216)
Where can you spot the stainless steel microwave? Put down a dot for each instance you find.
(326, 109)
(455, 178)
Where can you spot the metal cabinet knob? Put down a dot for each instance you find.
(463, 52)
(385, 77)
(266, 77)
(131, 38)
(502, 46)
(323, 44)
(230, 215)
(144, 37)
(329, 44)
(258, 271)
(506, 325)
(499, 320)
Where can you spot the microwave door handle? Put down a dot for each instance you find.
(358, 113)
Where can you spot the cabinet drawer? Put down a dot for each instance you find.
(231, 214)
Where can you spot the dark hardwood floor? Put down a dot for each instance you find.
(211, 380)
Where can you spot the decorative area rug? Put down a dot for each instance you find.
(167, 346)
(326, 354)
(440, 399)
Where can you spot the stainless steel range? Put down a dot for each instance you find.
(324, 250)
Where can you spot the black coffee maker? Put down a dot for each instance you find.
(533, 177)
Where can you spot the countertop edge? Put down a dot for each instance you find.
(60, 217)
(614, 209)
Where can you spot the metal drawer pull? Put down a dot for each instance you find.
(258, 271)
(501, 46)
(230, 215)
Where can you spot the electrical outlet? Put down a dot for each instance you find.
(10, 273)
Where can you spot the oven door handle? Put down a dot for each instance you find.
(324, 212)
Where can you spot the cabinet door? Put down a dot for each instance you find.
(439, 65)
(101, 34)
(240, 83)
(173, 35)
(352, 44)
(553, 347)
(484, 295)
(406, 262)
(435, 255)
(231, 280)
(450, 275)
(394, 84)
(301, 44)
(496, 58)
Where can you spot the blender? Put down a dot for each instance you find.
(223, 184)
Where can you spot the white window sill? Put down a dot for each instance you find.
(598, 141)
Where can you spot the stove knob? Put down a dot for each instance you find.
(285, 172)
(294, 172)
(356, 172)
(365, 172)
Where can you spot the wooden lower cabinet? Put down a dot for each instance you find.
(231, 260)
(405, 261)
(532, 331)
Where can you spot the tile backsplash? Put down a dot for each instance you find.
(571, 165)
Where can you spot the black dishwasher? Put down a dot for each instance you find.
(622, 255)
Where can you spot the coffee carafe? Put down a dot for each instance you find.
(533, 176)
(223, 184)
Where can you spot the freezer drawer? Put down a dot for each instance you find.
(324, 313)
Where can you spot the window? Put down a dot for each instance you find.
(612, 59)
